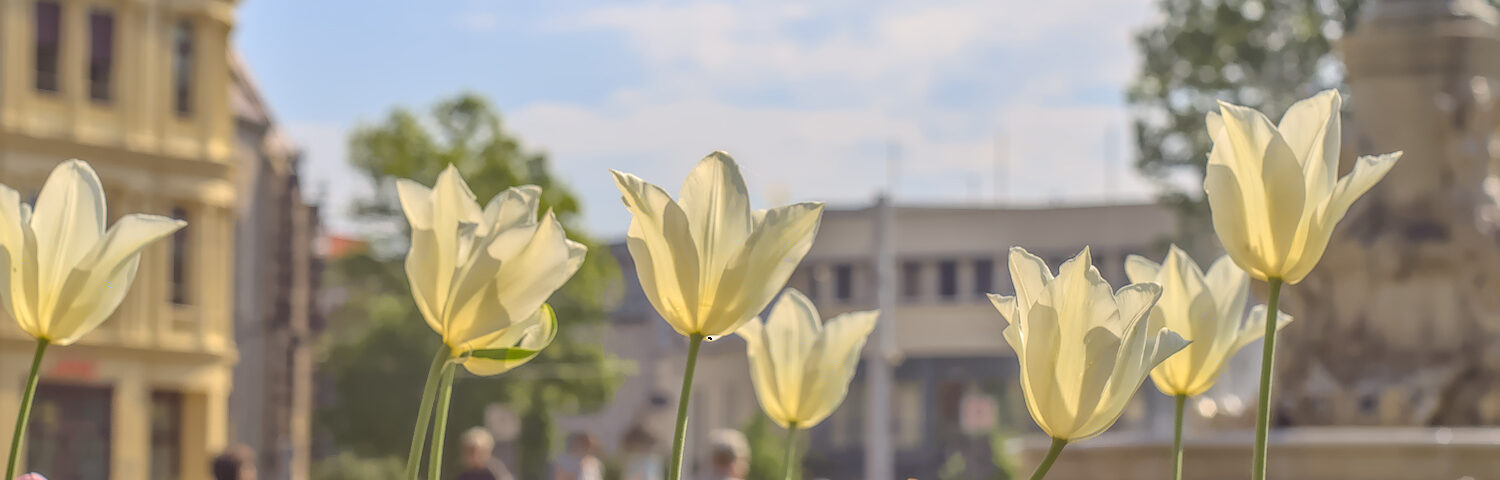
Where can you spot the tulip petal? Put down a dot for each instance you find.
(1254, 327)
(1007, 307)
(1101, 351)
(1029, 274)
(538, 331)
(524, 282)
(1039, 372)
(1368, 170)
(68, 221)
(763, 372)
(95, 288)
(791, 330)
(1270, 181)
(514, 207)
(1140, 269)
(781, 237)
(1312, 129)
(12, 248)
(717, 205)
(661, 244)
(1227, 207)
(831, 365)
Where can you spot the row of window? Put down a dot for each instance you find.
(48, 38)
(912, 284)
(915, 283)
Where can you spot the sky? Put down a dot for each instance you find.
(977, 101)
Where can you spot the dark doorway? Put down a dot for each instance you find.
(69, 432)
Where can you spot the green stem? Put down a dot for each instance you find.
(25, 414)
(1177, 440)
(1052, 453)
(1267, 367)
(440, 424)
(424, 413)
(674, 469)
(791, 449)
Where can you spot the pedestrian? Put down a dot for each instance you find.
(579, 462)
(479, 457)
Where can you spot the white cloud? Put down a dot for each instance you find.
(854, 77)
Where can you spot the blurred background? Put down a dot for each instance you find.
(279, 325)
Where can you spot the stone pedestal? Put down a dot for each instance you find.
(1305, 453)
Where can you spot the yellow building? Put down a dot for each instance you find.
(140, 89)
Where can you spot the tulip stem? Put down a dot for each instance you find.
(1177, 439)
(424, 412)
(791, 449)
(25, 414)
(440, 424)
(674, 469)
(1052, 453)
(1267, 367)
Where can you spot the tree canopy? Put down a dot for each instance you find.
(1264, 54)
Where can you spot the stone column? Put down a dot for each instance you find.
(1400, 323)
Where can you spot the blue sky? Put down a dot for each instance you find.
(809, 98)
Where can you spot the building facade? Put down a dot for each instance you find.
(276, 285)
(953, 357)
(147, 92)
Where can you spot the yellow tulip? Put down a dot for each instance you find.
(706, 261)
(800, 366)
(61, 273)
(1209, 310)
(480, 277)
(1084, 350)
(1274, 189)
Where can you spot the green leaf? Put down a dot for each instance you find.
(506, 354)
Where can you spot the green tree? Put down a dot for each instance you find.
(767, 443)
(1265, 54)
(379, 346)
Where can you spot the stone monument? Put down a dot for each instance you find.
(1400, 323)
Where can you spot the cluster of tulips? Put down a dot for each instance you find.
(709, 263)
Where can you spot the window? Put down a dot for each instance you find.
(48, 37)
(180, 259)
(101, 53)
(911, 280)
(70, 431)
(182, 68)
(166, 435)
(948, 278)
(984, 276)
(843, 282)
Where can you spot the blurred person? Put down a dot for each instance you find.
(236, 463)
(641, 460)
(31, 476)
(479, 457)
(579, 462)
(730, 454)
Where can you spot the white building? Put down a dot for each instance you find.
(946, 332)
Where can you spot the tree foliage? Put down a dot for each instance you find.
(1264, 54)
(379, 349)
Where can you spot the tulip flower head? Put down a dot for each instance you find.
(1208, 310)
(1084, 350)
(1274, 189)
(480, 277)
(801, 366)
(61, 273)
(706, 261)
